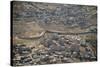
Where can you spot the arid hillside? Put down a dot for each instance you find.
(50, 33)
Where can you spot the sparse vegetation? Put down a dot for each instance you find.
(55, 46)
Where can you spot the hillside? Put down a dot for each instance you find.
(48, 33)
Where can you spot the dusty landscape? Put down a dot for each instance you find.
(51, 33)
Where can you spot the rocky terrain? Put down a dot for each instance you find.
(48, 33)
